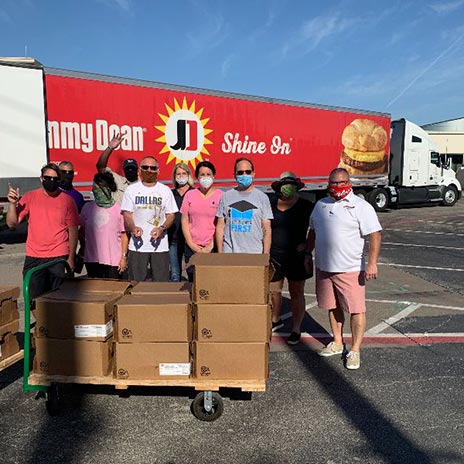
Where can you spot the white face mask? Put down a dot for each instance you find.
(206, 182)
(182, 180)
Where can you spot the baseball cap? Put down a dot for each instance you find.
(130, 163)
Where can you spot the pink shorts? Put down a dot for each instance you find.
(343, 290)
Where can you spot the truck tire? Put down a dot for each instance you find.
(378, 198)
(450, 196)
(361, 194)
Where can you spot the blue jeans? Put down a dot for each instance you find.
(176, 252)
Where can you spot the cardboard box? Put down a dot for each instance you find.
(90, 317)
(8, 304)
(11, 327)
(72, 357)
(232, 323)
(8, 346)
(72, 288)
(231, 278)
(151, 361)
(231, 361)
(143, 288)
(150, 318)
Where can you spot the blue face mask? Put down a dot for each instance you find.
(244, 180)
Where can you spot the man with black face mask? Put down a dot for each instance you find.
(130, 168)
(52, 229)
(66, 183)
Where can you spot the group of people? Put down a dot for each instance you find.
(138, 228)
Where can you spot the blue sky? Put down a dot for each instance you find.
(402, 57)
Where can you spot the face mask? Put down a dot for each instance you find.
(339, 192)
(131, 175)
(244, 180)
(51, 184)
(66, 180)
(182, 180)
(288, 191)
(103, 197)
(150, 177)
(206, 182)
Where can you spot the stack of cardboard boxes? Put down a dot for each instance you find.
(153, 332)
(74, 328)
(9, 322)
(217, 330)
(232, 316)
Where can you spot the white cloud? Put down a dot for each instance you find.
(448, 7)
(226, 65)
(5, 17)
(125, 5)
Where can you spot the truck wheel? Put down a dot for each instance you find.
(361, 194)
(378, 198)
(199, 411)
(450, 196)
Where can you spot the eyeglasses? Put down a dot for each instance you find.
(52, 178)
(149, 168)
(339, 182)
(245, 171)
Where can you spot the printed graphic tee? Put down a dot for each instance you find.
(243, 213)
(149, 206)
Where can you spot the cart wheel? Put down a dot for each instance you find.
(201, 413)
(53, 403)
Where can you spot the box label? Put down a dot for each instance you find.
(174, 368)
(93, 331)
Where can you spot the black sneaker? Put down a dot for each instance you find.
(277, 325)
(294, 338)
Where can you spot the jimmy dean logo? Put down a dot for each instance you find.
(89, 137)
(184, 133)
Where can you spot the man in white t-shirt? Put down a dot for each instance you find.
(149, 208)
(338, 227)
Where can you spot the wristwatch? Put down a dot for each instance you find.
(124, 255)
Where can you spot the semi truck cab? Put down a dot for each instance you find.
(418, 174)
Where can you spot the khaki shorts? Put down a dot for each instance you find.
(343, 290)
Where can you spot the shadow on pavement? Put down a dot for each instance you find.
(384, 437)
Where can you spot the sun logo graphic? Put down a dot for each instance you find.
(184, 133)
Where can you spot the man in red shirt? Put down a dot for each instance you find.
(52, 229)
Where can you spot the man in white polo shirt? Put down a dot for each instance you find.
(338, 227)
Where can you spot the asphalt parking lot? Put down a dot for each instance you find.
(404, 405)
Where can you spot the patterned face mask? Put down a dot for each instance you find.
(288, 191)
(338, 192)
(103, 197)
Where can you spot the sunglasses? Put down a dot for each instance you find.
(64, 171)
(52, 178)
(246, 171)
(149, 168)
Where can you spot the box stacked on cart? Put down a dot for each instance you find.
(74, 328)
(153, 333)
(232, 316)
(9, 322)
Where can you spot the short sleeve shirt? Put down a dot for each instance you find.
(121, 184)
(149, 206)
(201, 213)
(49, 221)
(244, 213)
(340, 228)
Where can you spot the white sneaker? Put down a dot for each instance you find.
(353, 360)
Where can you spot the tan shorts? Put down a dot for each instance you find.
(343, 290)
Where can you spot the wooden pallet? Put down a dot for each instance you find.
(11, 360)
(123, 384)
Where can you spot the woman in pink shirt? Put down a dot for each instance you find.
(199, 213)
(106, 241)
